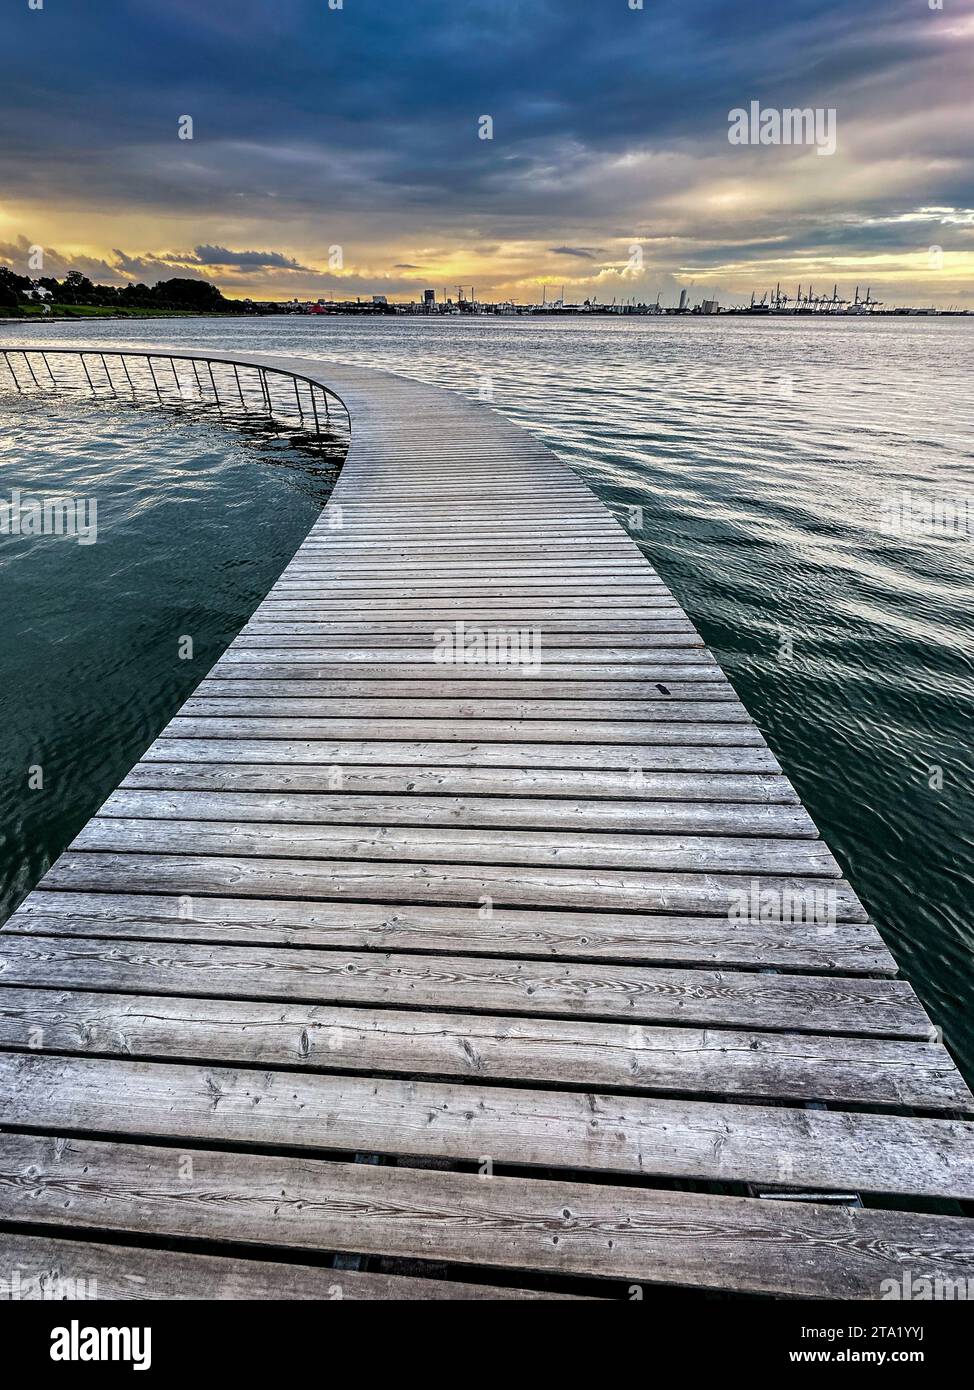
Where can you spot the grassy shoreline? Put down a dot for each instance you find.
(98, 311)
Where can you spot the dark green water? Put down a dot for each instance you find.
(763, 456)
(194, 523)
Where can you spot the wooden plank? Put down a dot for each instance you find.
(330, 602)
(853, 948)
(535, 655)
(447, 844)
(298, 620)
(503, 554)
(561, 542)
(411, 520)
(794, 899)
(211, 704)
(498, 586)
(566, 525)
(635, 1135)
(473, 588)
(638, 994)
(375, 568)
(727, 818)
(41, 1267)
(582, 783)
(634, 759)
(554, 676)
(652, 698)
(734, 734)
(771, 1066)
(529, 647)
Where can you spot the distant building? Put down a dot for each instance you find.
(710, 306)
(379, 299)
(429, 301)
(683, 301)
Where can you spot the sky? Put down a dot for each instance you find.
(337, 146)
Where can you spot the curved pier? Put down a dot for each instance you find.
(461, 937)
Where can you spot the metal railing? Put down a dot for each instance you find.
(174, 378)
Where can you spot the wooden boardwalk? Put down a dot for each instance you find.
(390, 975)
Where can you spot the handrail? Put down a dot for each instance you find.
(306, 402)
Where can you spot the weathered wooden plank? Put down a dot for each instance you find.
(540, 656)
(551, 675)
(492, 585)
(719, 1062)
(491, 535)
(374, 569)
(309, 613)
(793, 899)
(638, 994)
(721, 818)
(526, 518)
(209, 703)
(411, 644)
(449, 844)
(357, 515)
(635, 759)
(42, 1267)
(414, 523)
(298, 620)
(474, 522)
(635, 1135)
(489, 553)
(612, 1232)
(649, 696)
(607, 602)
(582, 783)
(853, 948)
(629, 733)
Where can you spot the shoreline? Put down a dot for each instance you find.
(736, 315)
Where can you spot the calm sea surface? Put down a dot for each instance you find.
(774, 463)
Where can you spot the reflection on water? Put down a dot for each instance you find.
(770, 461)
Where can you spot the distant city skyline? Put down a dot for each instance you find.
(365, 148)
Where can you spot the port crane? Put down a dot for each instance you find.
(864, 306)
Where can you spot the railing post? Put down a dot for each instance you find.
(11, 371)
(153, 375)
(239, 387)
(216, 393)
(84, 366)
(108, 374)
(49, 372)
(128, 378)
(31, 370)
(297, 397)
(34, 375)
(175, 376)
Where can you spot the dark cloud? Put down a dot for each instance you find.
(240, 260)
(149, 268)
(585, 253)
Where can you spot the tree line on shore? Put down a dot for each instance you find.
(194, 296)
